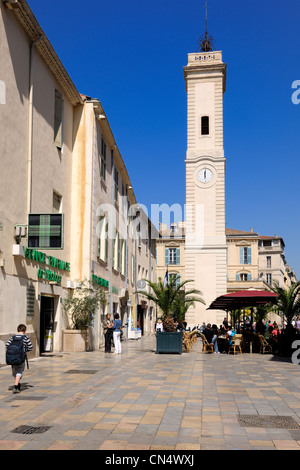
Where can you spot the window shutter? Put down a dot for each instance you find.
(237, 277)
(241, 255)
(249, 257)
(249, 277)
(106, 239)
(98, 235)
(177, 255)
(166, 256)
(58, 119)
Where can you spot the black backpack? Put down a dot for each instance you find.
(15, 352)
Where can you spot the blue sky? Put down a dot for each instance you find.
(130, 55)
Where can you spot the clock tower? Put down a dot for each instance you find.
(205, 245)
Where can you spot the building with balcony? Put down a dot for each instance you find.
(272, 261)
(256, 261)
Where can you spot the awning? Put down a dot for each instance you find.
(242, 299)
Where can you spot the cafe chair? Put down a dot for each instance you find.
(206, 345)
(264, 345)
(236, 344)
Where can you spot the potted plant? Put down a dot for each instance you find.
(173, 301)
(80, 307)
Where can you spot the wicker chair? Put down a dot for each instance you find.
(206, 345)
(236, 344)
(186, 343)
(264, 345)
(188, 340)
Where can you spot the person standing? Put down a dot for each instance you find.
(16, 349)
(108, 332)
(117, 334)
(159, 325)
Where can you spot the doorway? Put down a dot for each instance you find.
(46, 324)
(140, 318)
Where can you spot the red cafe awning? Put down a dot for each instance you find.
(242, 299)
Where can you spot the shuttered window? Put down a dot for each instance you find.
(245, 255)
(116, 192)
(102, 238)
(103, 160)
(172, 256)
(58, 119)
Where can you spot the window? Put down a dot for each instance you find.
(138, 229)
(269, 279)
(45, 231)
(133, 269)
(123, 257)
(172, 256)
(116, 184)
(103, 160)
(245, 256)
(102, 238)
(269, 262)
(58, 119)
(204, 125)
(244, 277)
(116, 252)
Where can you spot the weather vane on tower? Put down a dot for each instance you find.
(206, 41)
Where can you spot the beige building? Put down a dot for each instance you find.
(253, 261)
(62, 174)
(115, 240)
(243, 261)
(256, 261)
(205, 240)
(272, 262)
(170, 252)
(36, 120)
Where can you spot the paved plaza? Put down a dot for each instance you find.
(144, 401)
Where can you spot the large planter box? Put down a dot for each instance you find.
(74, 340)
(169, 342)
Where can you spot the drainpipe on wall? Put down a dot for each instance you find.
(30, 126)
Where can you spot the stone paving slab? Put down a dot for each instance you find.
(143, 401)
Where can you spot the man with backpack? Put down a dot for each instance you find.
(16, 349)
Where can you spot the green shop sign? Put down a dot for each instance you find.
(100, 281)
(49, 275)
(42, 258)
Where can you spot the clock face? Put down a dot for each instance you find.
(205, 175)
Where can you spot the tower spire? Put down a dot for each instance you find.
(206, 41)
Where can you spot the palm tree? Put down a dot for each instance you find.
(172, 299)
(288, 301)
(262, 311)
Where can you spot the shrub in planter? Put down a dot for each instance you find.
(81, 305)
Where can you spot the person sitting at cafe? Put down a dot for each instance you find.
(211, 336)
(230, 334)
